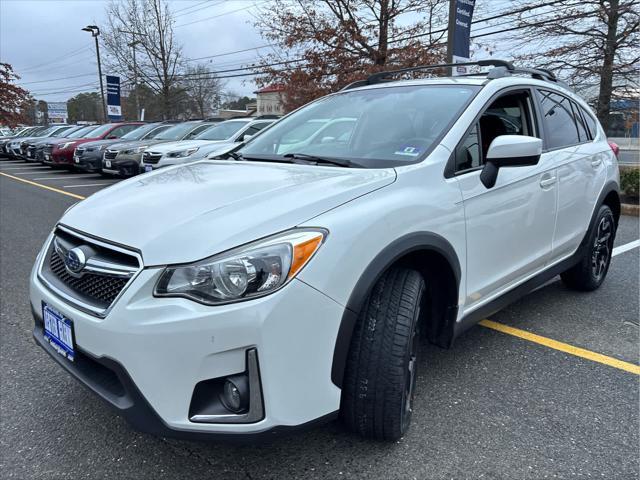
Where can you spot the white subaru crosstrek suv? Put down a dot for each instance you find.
(268, 291)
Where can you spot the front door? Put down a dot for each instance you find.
(509, 226)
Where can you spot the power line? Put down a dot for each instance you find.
(197, 9)
(66, 55)
(216, 16)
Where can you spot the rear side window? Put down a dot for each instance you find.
(559, 126)
(582, 129)
(592, 126)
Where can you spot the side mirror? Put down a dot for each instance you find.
(247, 137)
(509, 151)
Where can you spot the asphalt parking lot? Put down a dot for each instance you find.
(495, 406)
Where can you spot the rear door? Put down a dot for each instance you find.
(580, 169)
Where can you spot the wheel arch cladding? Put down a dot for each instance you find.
(435, 258)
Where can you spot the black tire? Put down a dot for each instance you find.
(381, 367)
(589, 274)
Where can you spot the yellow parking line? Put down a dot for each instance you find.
(46, 187)
(563, 347)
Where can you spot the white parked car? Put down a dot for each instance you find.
(271, 291)
(221, 136)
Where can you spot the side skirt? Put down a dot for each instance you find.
(516, 293)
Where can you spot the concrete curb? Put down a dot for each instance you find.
(628, 209)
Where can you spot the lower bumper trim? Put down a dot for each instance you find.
(110, 381)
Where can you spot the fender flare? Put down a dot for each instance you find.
(390, 254)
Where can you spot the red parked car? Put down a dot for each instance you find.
(60, 152)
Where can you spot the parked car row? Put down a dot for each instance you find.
(128, 148)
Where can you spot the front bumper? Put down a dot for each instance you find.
(60, 157)
(89, 160)
(159, 349)
(125, 165)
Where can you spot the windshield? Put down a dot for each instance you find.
(82, 132)
(156, 133)
(139, 132)
(374, 128)
(222, 131)
(99, 131)
(56, 131)
(176, 132)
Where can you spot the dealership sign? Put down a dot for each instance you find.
(57, 111)
(114, 110)
(461, 33)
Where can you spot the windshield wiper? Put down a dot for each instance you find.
(314, 158)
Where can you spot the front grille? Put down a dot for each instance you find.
(152, 158)
(95, 289)
(103, 290)
(110, 154)
(47, 150)
(79, 151)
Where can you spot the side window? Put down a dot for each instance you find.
(196, 131)
(591, 123)
(252, 130)
(509, 114)
(468, 151)
(117, 132)
(582, 129)
(560, 128)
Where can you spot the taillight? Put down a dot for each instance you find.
(616, 149)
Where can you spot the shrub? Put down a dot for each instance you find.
(630, 182)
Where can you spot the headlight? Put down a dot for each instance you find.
(251, 271)
(140, 149)
(101, 147)
(66, 145)
(183, 153)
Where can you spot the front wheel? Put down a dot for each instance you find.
(381, 367)
(589, 274)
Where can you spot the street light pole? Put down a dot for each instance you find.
(95, 31)
(135, 78)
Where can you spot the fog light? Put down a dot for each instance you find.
(235, 394)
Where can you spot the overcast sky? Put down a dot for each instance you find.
(43, 40)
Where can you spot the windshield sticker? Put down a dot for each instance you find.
(409, 150)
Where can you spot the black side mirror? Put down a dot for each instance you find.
(509, 151)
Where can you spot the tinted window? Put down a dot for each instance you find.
(82, 132)
(560, 128)
(139, 132)
(197, 130)
(582, 129)
(591, 123)
(176, 132)
(98, 132)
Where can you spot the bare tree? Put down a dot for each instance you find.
(203, 89)
(333, 42)
(148, 24)
(592, 43)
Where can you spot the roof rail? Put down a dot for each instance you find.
(502, 68)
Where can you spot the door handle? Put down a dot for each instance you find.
(547, 182)
(596, 162)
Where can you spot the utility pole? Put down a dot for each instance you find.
(95, 32)
(450, 34)
(133, 44)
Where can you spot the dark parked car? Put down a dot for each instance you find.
(124, 159)
(60, 152)
(88, 156)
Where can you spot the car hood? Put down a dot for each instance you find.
(189, 212)
(137, 143)
(98, 143)
(179, 145)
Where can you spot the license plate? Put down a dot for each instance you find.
(58, 331)
(76, 159)
(148, 168)
(47, 157)
(107, 163)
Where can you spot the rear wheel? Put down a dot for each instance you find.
(381, 367)
(589, 274)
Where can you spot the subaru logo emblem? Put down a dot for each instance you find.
(75, 260)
